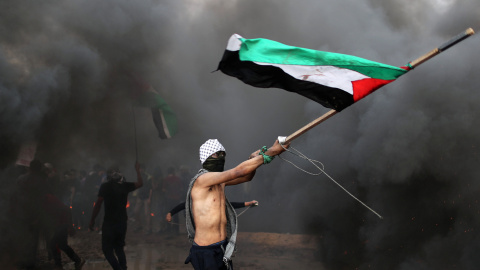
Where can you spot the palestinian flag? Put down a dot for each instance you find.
(334, 80)
(144, 95)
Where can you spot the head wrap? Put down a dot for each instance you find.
(209, 148)
(113, 173)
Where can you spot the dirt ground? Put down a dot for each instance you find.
(260, 251)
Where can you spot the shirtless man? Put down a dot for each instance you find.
(210, 218)
(181, 206)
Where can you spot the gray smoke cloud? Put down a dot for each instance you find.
(409, 151)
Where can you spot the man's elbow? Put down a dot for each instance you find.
(247, 177)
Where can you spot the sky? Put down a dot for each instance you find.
(410, 150)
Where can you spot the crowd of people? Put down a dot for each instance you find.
(50, 206)
(55, 206)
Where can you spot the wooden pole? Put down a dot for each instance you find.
(310, 125)
(442, 48)
(413, 64)
(135, 134)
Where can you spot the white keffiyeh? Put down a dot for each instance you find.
(209, 148)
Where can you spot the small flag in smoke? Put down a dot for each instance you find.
(164, 118)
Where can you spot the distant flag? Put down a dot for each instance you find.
(334, 80)
(144, 95)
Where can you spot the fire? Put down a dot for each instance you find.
(128, 204)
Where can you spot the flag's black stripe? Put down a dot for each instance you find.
(157, 119)
(269, 76)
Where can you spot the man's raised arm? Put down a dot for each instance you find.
(243, 172)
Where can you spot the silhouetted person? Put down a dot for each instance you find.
(31, 187)
(53, 179)
(114, 193)
(58, 222)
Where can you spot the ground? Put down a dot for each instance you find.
(259, 251)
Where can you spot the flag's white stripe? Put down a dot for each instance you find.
(234, 43)
(331, 76)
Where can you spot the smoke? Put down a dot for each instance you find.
(409, 151)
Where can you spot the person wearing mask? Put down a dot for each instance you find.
(211, 220)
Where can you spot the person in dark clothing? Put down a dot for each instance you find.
(31, 187)
(114, 193)
(53, 179)
(181, 206)
(58, 222)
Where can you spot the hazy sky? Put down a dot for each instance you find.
(410, 150)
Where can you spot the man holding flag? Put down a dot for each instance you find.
(333, 80)
(210, 218)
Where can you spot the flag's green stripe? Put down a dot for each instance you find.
(153, 100)
(269, 51)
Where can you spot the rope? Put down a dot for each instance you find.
(299, 154)
(244, 211)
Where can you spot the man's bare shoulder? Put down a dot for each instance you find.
(204, 180)
(210, 179)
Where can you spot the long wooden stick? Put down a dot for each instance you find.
(413, 64)
(310, 125)
(442, 47)
(135, 134)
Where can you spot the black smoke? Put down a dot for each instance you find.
(410, 150)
